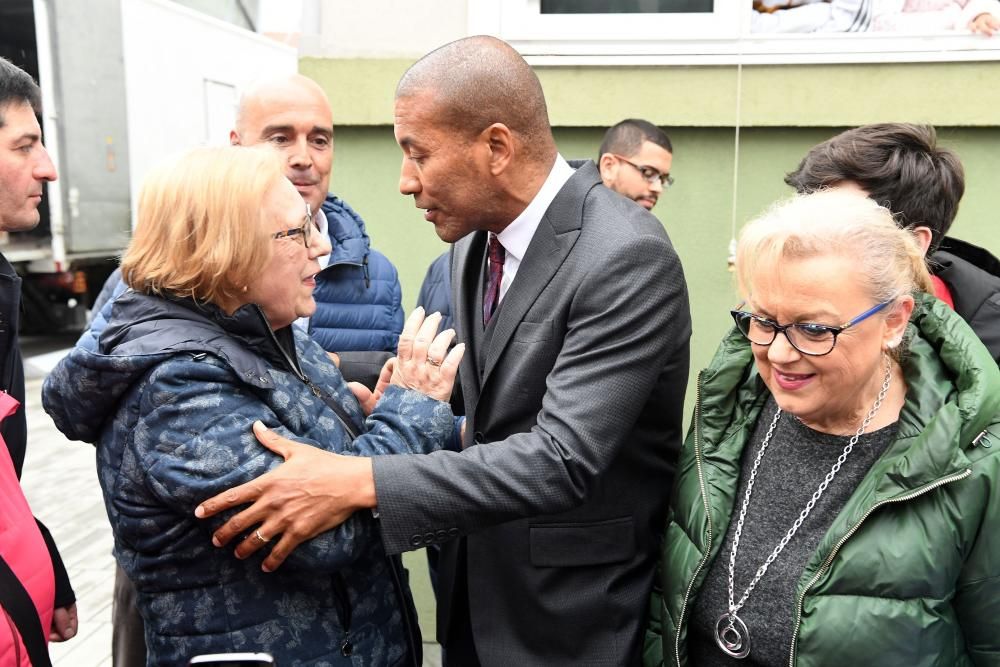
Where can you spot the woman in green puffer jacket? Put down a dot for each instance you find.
(837, 498)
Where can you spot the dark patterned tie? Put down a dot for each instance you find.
(496, 255)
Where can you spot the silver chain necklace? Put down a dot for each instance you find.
(731, 632)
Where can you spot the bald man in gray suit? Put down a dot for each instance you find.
(573, 307)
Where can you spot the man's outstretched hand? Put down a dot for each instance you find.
(311, 492)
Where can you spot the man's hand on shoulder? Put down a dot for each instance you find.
(311, 492)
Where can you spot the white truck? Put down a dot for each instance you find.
(124, 84)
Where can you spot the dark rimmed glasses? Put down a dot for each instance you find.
(650, 174)
(814, 340)
(308, 225)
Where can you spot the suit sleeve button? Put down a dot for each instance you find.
(429, 538)
(416, 540)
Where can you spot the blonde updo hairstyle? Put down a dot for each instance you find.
(201, 231)
(888, 259)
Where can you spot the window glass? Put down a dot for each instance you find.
(626, 6)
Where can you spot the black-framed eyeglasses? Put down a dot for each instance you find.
(650, 174)
(814, 340)
(308, 225)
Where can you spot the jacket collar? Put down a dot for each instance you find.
(141, 324)
(347, 232)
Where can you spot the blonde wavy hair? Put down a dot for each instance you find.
(201, 231)
(889, 259)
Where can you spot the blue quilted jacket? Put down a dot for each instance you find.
(169, 400)
(358, 297)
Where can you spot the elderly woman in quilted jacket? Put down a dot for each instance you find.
(837, 499)
(198, 351)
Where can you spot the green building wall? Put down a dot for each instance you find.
(697, 211)
(785, 111)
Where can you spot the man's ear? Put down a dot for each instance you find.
(608, 167)
(234, 138)
(500, 141)
(924, 236)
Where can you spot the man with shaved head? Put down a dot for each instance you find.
(573, 307)
(358, 298)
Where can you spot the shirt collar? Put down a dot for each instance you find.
(517, 235)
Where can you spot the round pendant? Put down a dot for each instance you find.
(732, 636)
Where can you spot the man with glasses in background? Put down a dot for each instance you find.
(635, 160)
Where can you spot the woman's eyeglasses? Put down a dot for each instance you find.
(814, 340)
(308, 226)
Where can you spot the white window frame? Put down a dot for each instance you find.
(720, 38)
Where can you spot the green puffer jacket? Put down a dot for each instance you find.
(909, 572)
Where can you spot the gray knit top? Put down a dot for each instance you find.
(793, 466)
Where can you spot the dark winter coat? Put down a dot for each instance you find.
(358, 297)
(169, 400)
(972, 275)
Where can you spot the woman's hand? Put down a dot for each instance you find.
(422, 361)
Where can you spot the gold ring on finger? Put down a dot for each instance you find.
(259, 537)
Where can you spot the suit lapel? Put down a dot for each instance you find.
(551, 244)
(466, 267)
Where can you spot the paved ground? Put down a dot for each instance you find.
(61, 484)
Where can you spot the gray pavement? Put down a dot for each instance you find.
(60, 482)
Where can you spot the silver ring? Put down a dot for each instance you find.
(260, 538)
(433, 362)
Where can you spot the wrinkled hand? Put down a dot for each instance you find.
(64, 624)
(422, 360)
(311, 492)
(985, 23)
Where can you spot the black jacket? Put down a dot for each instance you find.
(972, 275)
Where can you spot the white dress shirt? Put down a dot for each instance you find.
(518, 234)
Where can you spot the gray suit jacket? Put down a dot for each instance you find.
(574, 400)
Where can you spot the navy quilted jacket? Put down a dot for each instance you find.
(169, 400)
(358, 297)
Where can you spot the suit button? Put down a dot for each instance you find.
(441, 535)
(429, 538)
(453, 532)
(416, 540)
(478, 437)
